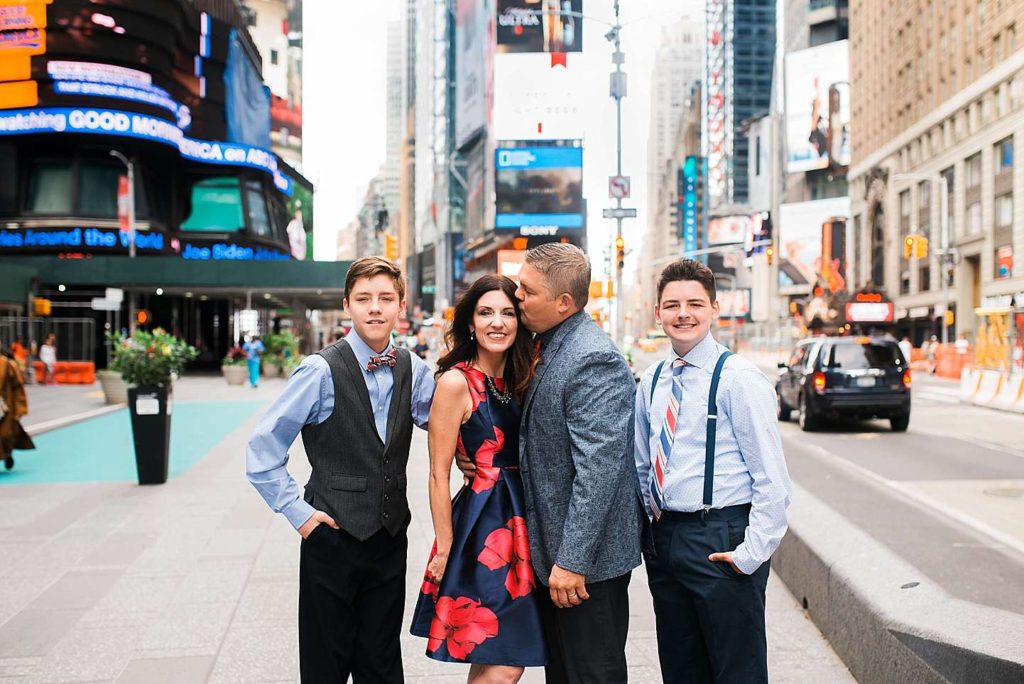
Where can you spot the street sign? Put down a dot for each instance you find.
(103, 304)
(618, 187)
(618, 213)
(115, 294)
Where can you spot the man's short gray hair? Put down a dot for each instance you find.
(565, 268)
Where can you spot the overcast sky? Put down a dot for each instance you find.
(344, 100)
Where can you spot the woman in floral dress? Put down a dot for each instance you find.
(478, 603)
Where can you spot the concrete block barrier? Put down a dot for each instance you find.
(887, 621)
(993, 389)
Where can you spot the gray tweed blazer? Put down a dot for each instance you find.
(583, 506)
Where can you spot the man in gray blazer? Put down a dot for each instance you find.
(584, 512)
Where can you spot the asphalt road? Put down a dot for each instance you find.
(947, 496)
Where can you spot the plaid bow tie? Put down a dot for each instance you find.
(388, 359)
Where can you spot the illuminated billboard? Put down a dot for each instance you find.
(818, 107)
(539, 190)
(534, 101)
(803, 228)
(553, 26)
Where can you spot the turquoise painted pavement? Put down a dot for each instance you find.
(101, 450)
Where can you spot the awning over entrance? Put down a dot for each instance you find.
(317, 284)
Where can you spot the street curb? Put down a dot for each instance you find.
(887, 621)
(48, 425)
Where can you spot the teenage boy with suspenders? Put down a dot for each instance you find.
(711, 469)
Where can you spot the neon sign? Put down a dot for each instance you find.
(141, 126)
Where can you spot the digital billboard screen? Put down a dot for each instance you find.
(801, 229)
(539, 187)
(540, 26)
(818, 107)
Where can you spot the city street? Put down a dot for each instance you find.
(196, 580)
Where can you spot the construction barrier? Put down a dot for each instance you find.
(69, 372)
(992, 388)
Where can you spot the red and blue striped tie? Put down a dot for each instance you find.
(668, 433)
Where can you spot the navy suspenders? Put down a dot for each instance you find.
(712, 433)
(709, 448)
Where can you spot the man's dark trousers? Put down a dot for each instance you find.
(587, 643)
(710, 618)
(351, 604)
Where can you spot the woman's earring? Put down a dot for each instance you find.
(472, 335)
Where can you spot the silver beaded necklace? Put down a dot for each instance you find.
(503, 398)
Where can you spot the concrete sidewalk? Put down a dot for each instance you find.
(196, 580)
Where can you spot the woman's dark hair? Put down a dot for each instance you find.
(463, 349)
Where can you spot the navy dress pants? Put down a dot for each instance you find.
(710, 618)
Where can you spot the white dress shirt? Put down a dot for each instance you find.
(749, 464)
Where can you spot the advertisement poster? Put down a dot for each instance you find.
(540, 26)
(539, 187)
(800, 228)
(534, 101)
(818, 107)
(473, 32)
(730, 230)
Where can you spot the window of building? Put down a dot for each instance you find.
(757, 156)
(49, 188)
(1004, 155)
(973, 218)
(259, 219)
(905, 204)
(273, 57)
(216, 206)
(1004, 210)
(924, 279)
(97, 189)
(972, 171)
(924, 195)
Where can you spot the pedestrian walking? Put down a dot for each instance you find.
(584, 513)
(907, 348)
(931, 353)
(254, 349)
(355, 403)
(480, 564)
(48, 357)
(13, 407)
(717, 490)
(422, 347)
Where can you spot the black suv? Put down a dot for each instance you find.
(856, 377)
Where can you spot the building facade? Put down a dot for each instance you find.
(939, 94)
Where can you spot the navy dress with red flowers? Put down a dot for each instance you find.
(485, 609)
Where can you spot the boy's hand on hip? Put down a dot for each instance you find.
(567, 588)
(318, 518)
(725, 557)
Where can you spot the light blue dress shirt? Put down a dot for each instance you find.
(749, 464)
(308, 399)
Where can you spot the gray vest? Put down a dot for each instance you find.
(357, 479)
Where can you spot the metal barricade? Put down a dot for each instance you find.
(76, 337)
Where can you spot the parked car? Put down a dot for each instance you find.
(845, 377)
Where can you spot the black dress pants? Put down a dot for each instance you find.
(710, 618)
(587, 643)
(351, 603)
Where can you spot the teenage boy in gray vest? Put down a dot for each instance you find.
(355, 403)
(711, 469)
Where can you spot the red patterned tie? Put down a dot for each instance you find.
(668, 435)
(388, 359)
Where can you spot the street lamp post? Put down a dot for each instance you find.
(131, 229)
(944, 251)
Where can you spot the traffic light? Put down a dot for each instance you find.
(620, 253)
(909, 247)
(769, 254)
(142, 317)
(390, 247)
(40, 306)
(921, 247)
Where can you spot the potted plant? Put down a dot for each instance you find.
(280, 348)
(115, 389)
(233, 366)
(148, 361)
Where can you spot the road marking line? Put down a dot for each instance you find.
(919, 498)
(46, 426)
